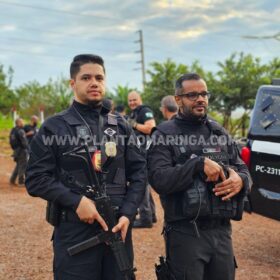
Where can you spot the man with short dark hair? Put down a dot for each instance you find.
(168, 107)
(142, 120)
(195, 167)
(58, 174)
(32, 128)
(120, 109)
(19, 145)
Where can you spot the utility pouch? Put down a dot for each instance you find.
(196, 201)
(161, 270)
(230, 209)
(240, 205)
(53, 213)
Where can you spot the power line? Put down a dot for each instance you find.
(15, 39)
(68, 34)
(52, 10)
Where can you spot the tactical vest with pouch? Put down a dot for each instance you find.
(199, 200)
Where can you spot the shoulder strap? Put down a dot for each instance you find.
(180, 150)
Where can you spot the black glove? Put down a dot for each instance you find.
(132, 123)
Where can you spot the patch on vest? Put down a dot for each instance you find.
(109, 131)
(211, 150)
(149, 115)
(83, 132)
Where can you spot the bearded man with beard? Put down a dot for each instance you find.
(62, 180)
(202, 186)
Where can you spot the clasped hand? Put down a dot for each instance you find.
(88, 213)
(228, 187)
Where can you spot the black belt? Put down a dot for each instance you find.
(70, 216)
(202, 224)
(212, 223)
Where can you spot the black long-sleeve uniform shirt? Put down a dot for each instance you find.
(53, 139)
(170, 179)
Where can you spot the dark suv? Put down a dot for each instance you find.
(262, 153)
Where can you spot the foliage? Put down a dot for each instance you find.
(120, 95)
(52, 97)
(238, 80)
(7, 97)
(233, 87)
(6, 122)
(161, 83)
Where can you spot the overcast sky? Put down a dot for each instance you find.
(39, 38)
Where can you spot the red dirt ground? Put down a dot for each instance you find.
(26, 250)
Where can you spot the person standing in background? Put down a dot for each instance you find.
(31, 129)
(142, 120)
(19, 144)
(168, 107)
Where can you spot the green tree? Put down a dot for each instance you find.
(8, 98)
(60, 94)
(161, 83)
(52, 97)
(238, 80)
(273, 69)
(120, 95)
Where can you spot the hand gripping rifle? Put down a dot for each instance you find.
(104, 206)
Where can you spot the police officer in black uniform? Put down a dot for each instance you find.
(32, 128)
(168, 107)
(19, 145)
(195, 167)
(53, 176)
(142, 120)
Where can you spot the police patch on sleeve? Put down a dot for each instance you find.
(149, 115)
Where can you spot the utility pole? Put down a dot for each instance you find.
(141, 51)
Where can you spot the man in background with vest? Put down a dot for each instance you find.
(32, 128)
(54, 175)
(19, 144)
(168, 107)
(142, 120)
(195, 167)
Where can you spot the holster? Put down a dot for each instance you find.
(196, 200)
(161, 270)
(53, 213)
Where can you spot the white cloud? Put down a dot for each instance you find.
(191, 34)
(36, 49)
(168, 4)
(8, 27)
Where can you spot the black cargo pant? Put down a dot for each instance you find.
(97, 263)
(21, 158)
(208, 257)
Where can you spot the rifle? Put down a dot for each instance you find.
(103, 204)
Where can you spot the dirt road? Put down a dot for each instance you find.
(26, 250)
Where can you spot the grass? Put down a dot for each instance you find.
(6, 122)
(4, 142)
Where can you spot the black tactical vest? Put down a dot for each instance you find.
(198, 200)
(73, 170)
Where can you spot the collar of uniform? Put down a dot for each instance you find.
(71, 117)
(190, 120)
(104, 109)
